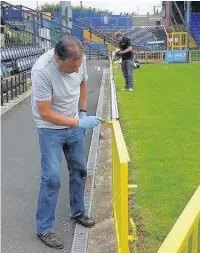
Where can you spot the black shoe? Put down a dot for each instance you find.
(51, 240)
(84, 220)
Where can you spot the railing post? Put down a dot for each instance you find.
(113, 171)
(41, 20)
(89, 53)
(34, 29)
(106, 50)
(124, 207)
(11, 87)
(90, 33)
(190, 59)
(2, 102)
(146, 57)
(19, 84)
(98, 51)
(23, 84)
(195, 239)
(7, 89)
(16, 85)
(25, 80)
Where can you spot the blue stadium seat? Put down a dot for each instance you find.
(141, 35)
(3, 69)
(18, 59)
(195, 27)
(3, 55)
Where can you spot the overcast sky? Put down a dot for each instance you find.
(116, 6)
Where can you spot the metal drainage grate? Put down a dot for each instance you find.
(79, 244)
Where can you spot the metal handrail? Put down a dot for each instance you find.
(35, 13)
(114, 106)
(185, 226)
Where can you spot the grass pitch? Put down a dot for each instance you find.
(161, 125)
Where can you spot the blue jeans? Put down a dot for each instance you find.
(52, 142)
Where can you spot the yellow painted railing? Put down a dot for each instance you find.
(178, 40)
(93, 37)
(183, 238)
(46, 15)
(121, 190)
(150, 56)
(185, 234)
(194, 56)
(192, 43)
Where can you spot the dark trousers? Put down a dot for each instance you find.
(127, 70)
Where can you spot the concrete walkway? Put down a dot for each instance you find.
(21, 177)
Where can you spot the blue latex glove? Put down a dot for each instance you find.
(82, 115)
(89, 122)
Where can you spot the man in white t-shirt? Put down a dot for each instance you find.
(59, 106)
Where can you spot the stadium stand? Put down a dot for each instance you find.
(195, 27)
(141, 36)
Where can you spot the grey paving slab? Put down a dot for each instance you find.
(20, 166)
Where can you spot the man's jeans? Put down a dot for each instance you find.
(52, 142)
(127, 69)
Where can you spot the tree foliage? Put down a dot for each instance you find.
(56, 7)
